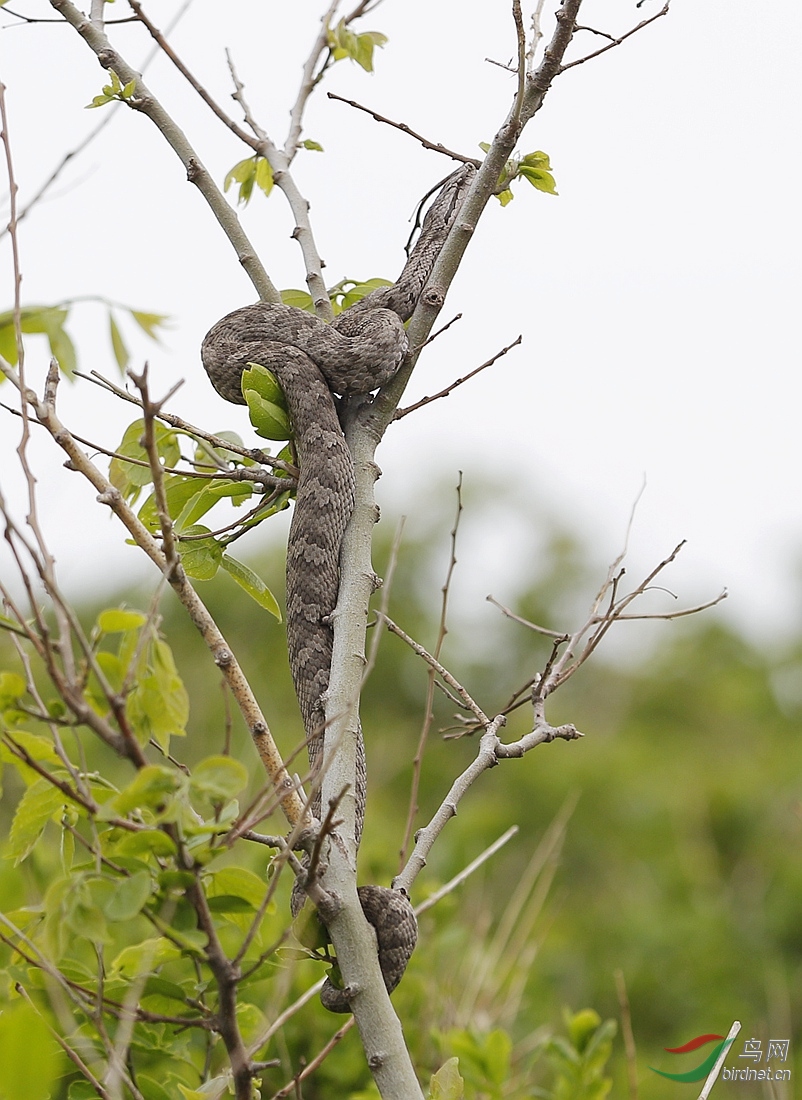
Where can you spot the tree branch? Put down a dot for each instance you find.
(143, 100)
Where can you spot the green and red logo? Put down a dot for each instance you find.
(711, 1066)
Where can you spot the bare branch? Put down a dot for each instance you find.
(309, 80)
(466, 872)
(433, 663)
(428, 713)
(108, 114)
(143, 100)
(614, 41)
(399, 413)
(435, 146)
(283, 178)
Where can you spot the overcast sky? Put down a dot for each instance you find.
(657, 296)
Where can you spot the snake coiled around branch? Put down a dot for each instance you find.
(357, 353)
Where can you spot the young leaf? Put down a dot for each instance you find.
(252, 584)
(31, 1061)
(152, 787)
(115, 620)
(262, 381)
(38, 805)
(447, 1084)
(128, 896)
(98, 101)
(121, 353)
(200, 557)
(219, 778)
(130, 478)
(149, 322)
(158, 706)
(237, 882)
(539, 178)
(270, 421)
(298, 298)
(264, 175)
(314, 146)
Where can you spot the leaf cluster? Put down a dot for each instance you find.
(533, 167)
(114, 90)
(50, 321)
(190, 496)
(345, 43)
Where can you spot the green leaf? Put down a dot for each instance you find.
(12, 688)
(447, 1084)
(252, 584)
(309, 930)
(129, 89)
(25, 1043)
(81, 911)
(236, 881)
(218, 778)
(147, 842)
(539, 178)
(505, 196)
(497, 1050)
(581, 1026)
(115, 620)
(99, 101)
(158, 706)
(40, 803)
(261, 380)
(215, 1086)
(229, 903)
(252, 170)
(200, 558)
(211, 494)
(150, 322)
(82, 1090)
(129, 897)
(538, 159)
(358, 47)
(129, 478)
(145, 956)
(153, 1090)
(264, 175)
(270, 421)
(297, 298)
(121, 353)
(314, 146)
(153, 787)
(11, 624)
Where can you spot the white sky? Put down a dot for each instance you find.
(657, 296)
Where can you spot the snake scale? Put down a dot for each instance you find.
(358, 352)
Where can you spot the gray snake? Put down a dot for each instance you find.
(357, 353)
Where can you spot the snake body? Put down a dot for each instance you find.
(357, 353)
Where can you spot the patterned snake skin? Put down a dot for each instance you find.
(358, 352)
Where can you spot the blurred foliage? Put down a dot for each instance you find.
(665, 844)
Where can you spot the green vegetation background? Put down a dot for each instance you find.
(679, 864)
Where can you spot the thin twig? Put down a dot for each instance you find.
(293, 1086)
(428, 712)
(107, 115)
(432, 661)
(399, 413)
(144, 100)
(614, 41)
(435, 146)
(458, 879)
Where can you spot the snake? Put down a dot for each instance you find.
(355, 354)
